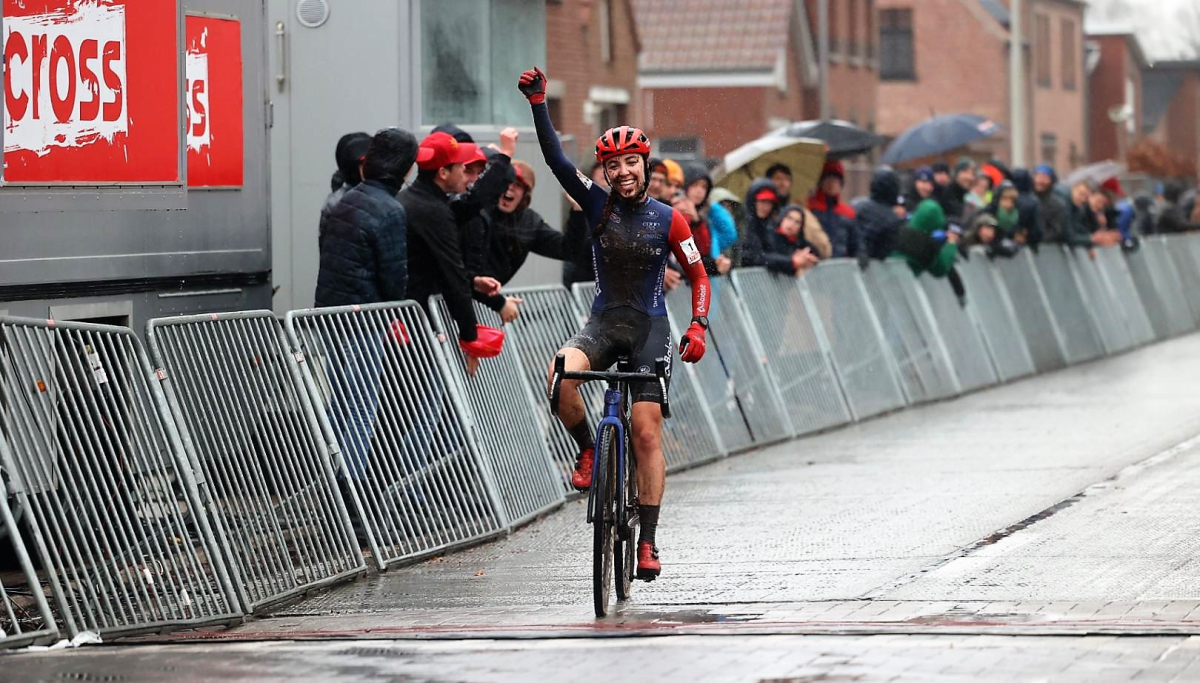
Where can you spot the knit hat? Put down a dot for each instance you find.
(720, 194)
(674, 172)
(924, 173)
(963, 164)
(941, 167)
(1112, 185)
(832, 168)
(1044, 168)
(767, 194)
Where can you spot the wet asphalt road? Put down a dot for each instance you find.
(1061, 505)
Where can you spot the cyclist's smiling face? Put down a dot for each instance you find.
(626, 174)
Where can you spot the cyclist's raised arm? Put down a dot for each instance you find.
(683, 245)
(587, 194)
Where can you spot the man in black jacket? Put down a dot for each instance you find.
(363, 243)
(349, 154)
(877, 218)
(436, 264)
(1053, 209)
(364, 260)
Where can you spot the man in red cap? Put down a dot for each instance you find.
(435, 258)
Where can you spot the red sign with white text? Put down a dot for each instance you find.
(91, 91)
(214, 101)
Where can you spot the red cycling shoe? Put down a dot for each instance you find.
(581, 478)
(648, 567)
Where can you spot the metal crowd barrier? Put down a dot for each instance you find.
(1106, 310)
(989, 306)
(1032, 310)
(98, 473)
(732, 341)
(503, 415)
(1115, 272)
(964, 344)
(716, 392)
(26, 618)
(550, 316)
(868, 372)
(385, 404)
(1170, 285)
(236, 391)
(910, 331)
(1185, 256)
(1161, 294)
(1069, 303)
(796, 348)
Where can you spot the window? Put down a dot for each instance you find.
(470, 50)
(896, 62)
(681, 148)
(1041, 41)
(1069, 56)
(605, 32)
(852, 21)
(835, 28)
(1049, 149)
(872, 31)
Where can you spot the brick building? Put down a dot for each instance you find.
(1171, 106)
(715, 75)
(951, 56)
(592, 51)
(1115, 62)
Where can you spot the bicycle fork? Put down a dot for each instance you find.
(612, 420)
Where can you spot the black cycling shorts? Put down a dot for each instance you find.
(627, 333)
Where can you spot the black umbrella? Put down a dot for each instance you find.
(844, 139)
(937, 135)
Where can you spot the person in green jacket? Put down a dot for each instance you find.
(926, 244)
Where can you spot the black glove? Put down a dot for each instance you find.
(533, 85)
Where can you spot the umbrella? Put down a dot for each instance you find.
(844, 139)
(937, 135)
(803, 156)
(1095, 173)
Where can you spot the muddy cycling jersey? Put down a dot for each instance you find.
(630, 253)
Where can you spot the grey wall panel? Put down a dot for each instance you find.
(83, 234)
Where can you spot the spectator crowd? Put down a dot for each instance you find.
(463, 227)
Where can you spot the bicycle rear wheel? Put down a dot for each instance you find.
(604, 522)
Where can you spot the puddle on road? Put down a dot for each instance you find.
(680, 617)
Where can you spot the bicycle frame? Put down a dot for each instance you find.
(615, 419)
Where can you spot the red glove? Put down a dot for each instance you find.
(533, 85)
(691, 348)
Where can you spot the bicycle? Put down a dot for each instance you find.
(612, 497)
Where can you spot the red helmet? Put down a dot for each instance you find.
(622, 140)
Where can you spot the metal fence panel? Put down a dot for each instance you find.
(1107, 310)
(993, 312)
(504, 417)
(1182, 258)
(550, 316)
(385, 401)
(1064, 294)
(739, 351)
(968, 353)
(25, 618)
(714, 391)
(100, 477)
(911, 334)
(1168, 281)
(840, 303)
(248, 423)
(797, 351)
(1115, 271)
(1032, 310)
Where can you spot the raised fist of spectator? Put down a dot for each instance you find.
(723, 264)
(508, 141)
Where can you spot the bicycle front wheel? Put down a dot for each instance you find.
(604, 482)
